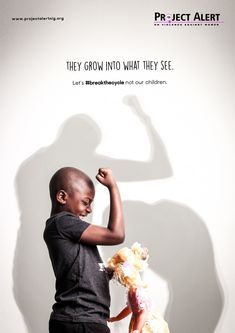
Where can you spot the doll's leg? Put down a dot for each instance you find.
(131, 325)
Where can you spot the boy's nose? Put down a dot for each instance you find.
(89, 209)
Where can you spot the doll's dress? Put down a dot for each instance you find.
(138, 299)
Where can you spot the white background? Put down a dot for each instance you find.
(170, 146)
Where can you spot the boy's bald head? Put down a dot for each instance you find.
(66, 179)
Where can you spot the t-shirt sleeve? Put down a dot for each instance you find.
(71, 227)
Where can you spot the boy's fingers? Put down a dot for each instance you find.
(104, 171)
(101, 173)
(99, 177)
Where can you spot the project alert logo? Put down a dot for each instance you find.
(187, 19)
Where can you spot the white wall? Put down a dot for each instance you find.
(171, 148)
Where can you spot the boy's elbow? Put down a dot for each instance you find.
(120, 239)
(116, 236)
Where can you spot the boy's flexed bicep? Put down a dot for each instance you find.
(114, 232)
(96, 235)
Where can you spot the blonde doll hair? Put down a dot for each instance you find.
(127, 263)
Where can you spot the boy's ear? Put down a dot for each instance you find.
(61, 197)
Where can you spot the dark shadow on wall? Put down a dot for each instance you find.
(181, 252)
(76, 146)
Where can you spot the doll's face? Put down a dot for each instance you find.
(140, 252)
(145, 254)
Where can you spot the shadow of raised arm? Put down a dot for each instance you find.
(156, 167)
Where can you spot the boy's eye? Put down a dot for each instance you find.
(86, 203)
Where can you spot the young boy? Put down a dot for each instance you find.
(82, 288)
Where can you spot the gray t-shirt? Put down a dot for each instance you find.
(82, 288)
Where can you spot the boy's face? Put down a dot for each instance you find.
(79, 200)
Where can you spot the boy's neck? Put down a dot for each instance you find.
(56, 210)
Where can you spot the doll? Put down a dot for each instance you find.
(126, 265)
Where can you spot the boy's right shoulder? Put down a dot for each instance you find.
(64, 225)
(62, 216)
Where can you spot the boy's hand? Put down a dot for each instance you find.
(105, 177)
